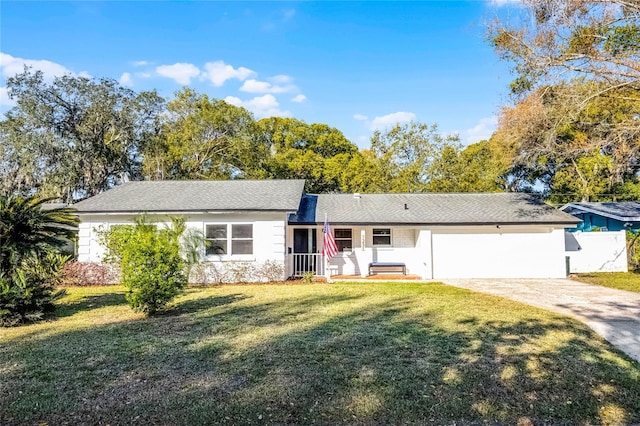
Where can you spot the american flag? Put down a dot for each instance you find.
(329, 247)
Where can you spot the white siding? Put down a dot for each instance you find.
(487, 252)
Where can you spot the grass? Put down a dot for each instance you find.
(629, 281)
(352, 353)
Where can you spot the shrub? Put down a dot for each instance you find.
(30, 266)
(90, 273)
(152, 269)
(29, 292)
(633, 250)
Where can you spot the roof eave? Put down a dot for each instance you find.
(601, 213)
(168, 212)
(552, 223)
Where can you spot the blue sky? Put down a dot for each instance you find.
(356, 66)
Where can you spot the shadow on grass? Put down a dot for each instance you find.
(319, 359)
(87, 303)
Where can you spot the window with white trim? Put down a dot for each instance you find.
(344, 239)
(381, 236)
(229, 239)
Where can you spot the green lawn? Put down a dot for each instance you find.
(629, 281)
(353, 353)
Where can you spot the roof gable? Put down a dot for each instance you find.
(196, 196)
(429, 209)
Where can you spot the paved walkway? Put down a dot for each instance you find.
(613, 314)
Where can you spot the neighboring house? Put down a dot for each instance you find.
(606, 250)
(616, 216)
(433, 236)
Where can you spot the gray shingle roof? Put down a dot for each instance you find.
(187, 196)
(627, 211)
(429, 209)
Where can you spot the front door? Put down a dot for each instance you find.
(305, 247)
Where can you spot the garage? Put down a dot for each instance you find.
(522, 252)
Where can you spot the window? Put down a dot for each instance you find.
(241, 239)
(344, 239)
(219, 243)
(382, 237)
(216, 239)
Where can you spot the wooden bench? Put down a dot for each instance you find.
(376, 267)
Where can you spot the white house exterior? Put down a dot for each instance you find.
(258, 224)
(437, 236)
(246, 219)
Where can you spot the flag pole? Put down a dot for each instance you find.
(327, 271)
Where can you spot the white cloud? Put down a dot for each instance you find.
(125, 79)
(281, 79)
(481, 131)
(218, 72)
(500, 3)
(382, 122)
(5, 101)
(140, 63)
(299, 98)
(181, 72)
(12, 65)
(255, 86)
(233, 100)
(261, 106)
(360, 117)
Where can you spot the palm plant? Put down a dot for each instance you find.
(27, 229)
(29, 265)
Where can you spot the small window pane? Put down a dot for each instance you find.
(242, 231)
(242, 246)
(216, 247)
(382, 237)
(343, 233)
(217, 231)
(344, 245)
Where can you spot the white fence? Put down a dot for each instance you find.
(596, 251)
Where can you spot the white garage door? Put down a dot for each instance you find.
(498, 255)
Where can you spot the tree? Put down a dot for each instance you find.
(480, 167)
(407, 154)
(77, 136)
(30, 265)
(153, 270)
(560, 39)
(550, 132)
(203, 138)
(577, 87)
(297, 150)
(584, 178)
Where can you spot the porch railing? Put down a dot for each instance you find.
(301, 263)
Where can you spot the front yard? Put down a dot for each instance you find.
(629, 281)
(352, 353)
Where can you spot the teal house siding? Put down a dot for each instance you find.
(605, 216)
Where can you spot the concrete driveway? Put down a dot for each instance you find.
(613, 314)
